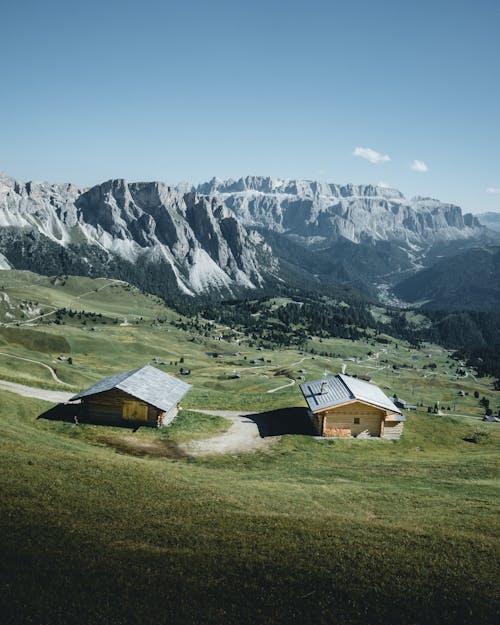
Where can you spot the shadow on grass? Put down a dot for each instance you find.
(121, 442)
(72, 413)
(283, 421)
(140, 448)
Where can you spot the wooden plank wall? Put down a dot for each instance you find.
(393, 429)
(133, 410)
(340, 421)
(109, 405)
(167, 417)
(317, 420)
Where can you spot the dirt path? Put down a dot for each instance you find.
(57, 397)
(37, 362)
(113, 281)
(273, 390)
(77, 297)
(242, 436)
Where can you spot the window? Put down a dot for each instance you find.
(356, 420)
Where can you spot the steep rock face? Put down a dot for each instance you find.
(329, 211)
(225, 236)
(48, 207)
(202, 241)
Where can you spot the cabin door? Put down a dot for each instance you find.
(134, 410)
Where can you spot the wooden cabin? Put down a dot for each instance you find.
(145, 396)
(342, 406)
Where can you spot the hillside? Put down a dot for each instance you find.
(104, 322)
(89, 534)
(469, 280)
(104, 525)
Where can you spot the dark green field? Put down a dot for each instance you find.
(309, 532)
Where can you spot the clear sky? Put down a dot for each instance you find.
(176, 91)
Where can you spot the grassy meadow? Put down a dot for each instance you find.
(102, 525)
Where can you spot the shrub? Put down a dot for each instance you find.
(480, 436)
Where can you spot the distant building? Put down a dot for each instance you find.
(145, 396)
(344, 406)
(491, 419)
(403, 404)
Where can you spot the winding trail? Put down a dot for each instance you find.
(242, 436)
(51, 312)
(37, 362)
(112, 281)
(273, 390)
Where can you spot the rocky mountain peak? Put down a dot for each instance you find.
(221, 235)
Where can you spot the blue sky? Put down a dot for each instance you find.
(188, 90)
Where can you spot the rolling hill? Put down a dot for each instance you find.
(102, 525)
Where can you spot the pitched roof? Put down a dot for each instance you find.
(342, 388)
(148, 384)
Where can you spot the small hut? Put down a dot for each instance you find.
(344, 406)
(145, 396)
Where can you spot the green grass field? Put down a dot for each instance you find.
(102, 525)
(98, 349)
(308, 532)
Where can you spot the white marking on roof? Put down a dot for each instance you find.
(343, 388)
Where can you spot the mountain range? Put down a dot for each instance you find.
(225, 238)
(491, 220)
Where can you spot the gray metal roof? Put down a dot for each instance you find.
(336, 393)
(342, 388)
(148, 384)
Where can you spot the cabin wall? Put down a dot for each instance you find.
(393, 429)
(317, 421)
(109, 407)
(166, 418)
(339, 421)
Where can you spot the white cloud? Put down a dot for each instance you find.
(384, 185)
(493, 190)
(419, 166)
(371, 155)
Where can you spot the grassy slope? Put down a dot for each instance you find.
(112, 347)
(100, 525)
(310, 532)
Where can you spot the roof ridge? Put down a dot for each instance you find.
(341, 376)
(131, 373)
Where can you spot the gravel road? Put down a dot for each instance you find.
(242, 436)
(57, 397)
